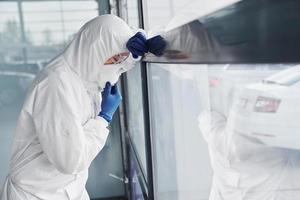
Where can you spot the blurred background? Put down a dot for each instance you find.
(32, 33)
(156, 148)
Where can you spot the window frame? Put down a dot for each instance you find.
(131, 152)
(147, 115)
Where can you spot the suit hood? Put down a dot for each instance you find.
(98, 40)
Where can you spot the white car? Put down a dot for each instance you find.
(269, 112)
(223, 82)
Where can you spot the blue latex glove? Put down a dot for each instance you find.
(137, 45)
(157, 45)
(111, 99)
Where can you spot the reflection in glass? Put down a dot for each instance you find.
(180, 156)
(190, 43)
(136, 192)
(225, 131)
(244, 32)
(135, 114)
(133, 13)
(251, 129)
(134, 94)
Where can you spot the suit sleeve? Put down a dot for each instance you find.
(213, 128)
(69, 145)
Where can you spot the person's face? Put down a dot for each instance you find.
(117, 59)
(113, 68)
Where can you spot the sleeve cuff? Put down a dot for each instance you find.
(134, 60)
(98, 126)
(102, 121)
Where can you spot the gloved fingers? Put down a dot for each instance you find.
(159, 42)
(157, 45)
(137, 52)
(139, 45)
(140, 40)
(135, 56)
(157, 38)
(115, 91)
(107, 89)
(154, 40)
(141, 36)
(158, 51)
(137, 37)
(142, 47)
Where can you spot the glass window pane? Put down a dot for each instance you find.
(136, 114)
(135, 109)
(12, 84)
(158, 13)
(232, 34)
(48, 27)
(180, 154)
(133, 13)
(224, 131)
(164, 15)
(136, 179)
(56, 22)
(258, 148)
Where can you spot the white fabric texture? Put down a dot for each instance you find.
(247, 170)
(59, 133)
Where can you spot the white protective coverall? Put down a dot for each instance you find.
(59, 133)
(245, 169)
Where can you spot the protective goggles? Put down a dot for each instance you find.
(117, 59)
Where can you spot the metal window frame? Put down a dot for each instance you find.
(105, 7)
(130, 150)
(144, 75)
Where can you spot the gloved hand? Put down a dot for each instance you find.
(111, 99)
(157, 45)
(137, 45)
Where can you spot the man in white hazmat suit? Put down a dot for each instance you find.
(60, 130)
(245, 169)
